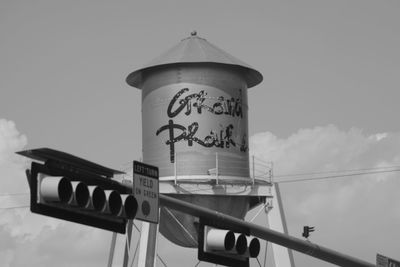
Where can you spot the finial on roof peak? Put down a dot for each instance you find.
(193, 33)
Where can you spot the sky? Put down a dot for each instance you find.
(328, 102)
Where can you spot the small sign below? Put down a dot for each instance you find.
(146, 190)
(383, 261)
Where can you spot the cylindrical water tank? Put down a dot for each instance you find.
(190, 113)
(195, 126)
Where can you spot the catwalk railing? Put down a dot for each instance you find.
(215, 167)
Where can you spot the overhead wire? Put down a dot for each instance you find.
(13, 194)
(324, 172)
(16, 207)
(335, 176)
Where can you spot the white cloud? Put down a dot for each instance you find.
(357, 215)
(35, 240)
(11, 165)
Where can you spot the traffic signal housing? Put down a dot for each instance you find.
(229, 247)
(74, 189)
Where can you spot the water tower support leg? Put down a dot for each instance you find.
(148, 245)
(277, 221)
(112, 249)
(128, 242)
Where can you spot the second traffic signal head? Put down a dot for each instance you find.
(226, 247)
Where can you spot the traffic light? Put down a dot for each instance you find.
(307, 230)
(77, 190)
(226, 247)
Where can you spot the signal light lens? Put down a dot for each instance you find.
(254, 247)
(241, 244)
(229, 241)
(81, 194)
(98, 198)
(114, 202)
(130, 206)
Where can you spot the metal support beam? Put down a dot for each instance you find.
(277, 221)
(285, 240)
(148, 245)
(112, 249)
(127, 253)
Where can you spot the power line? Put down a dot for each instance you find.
(336, 176)
(323, 172)
(13, 194)
(16, 207)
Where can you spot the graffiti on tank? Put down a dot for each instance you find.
(218, 106)
(196, 102)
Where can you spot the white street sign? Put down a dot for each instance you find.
(145, 190)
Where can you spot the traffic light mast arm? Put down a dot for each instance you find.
(297, 244)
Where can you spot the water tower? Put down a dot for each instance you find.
(195, 129)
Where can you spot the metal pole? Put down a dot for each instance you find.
(271, 176)
(148, 245)
(127, 253)
(216, 167)
(283, 219)
(265, 255)
(299, 245)
(112, 249)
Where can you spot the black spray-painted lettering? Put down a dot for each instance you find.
(222, 105)
(221, 138)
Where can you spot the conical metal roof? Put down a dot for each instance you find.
(194, 49)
